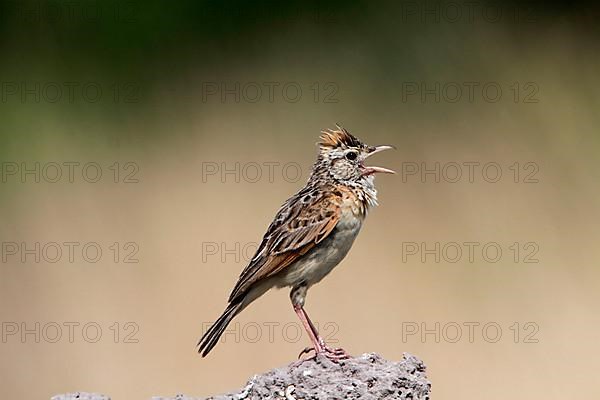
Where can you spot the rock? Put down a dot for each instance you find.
(366, 377)
(80, 396)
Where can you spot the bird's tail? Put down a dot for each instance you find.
(211, 337)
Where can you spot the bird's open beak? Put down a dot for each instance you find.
(368, 170)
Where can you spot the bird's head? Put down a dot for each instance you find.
(342, 156)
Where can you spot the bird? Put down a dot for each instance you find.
(311, 233)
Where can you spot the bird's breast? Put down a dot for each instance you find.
(321, 259)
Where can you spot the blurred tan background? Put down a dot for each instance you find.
(160, 68)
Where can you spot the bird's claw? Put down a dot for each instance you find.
(307, 350)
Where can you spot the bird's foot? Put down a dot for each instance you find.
(331, 352)
(334, 354)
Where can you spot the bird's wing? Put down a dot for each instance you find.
(301, 223)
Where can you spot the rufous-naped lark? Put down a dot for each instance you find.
(311, 233)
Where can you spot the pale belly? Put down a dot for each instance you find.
(319, 261)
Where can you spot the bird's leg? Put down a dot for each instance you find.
(336, 351)
(297, 296)
(309, 327)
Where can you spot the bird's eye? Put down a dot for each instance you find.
(351, 155)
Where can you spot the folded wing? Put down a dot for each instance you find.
(300, 224)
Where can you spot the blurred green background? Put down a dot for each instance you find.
(177, 89)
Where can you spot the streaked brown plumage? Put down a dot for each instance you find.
(311, 233)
